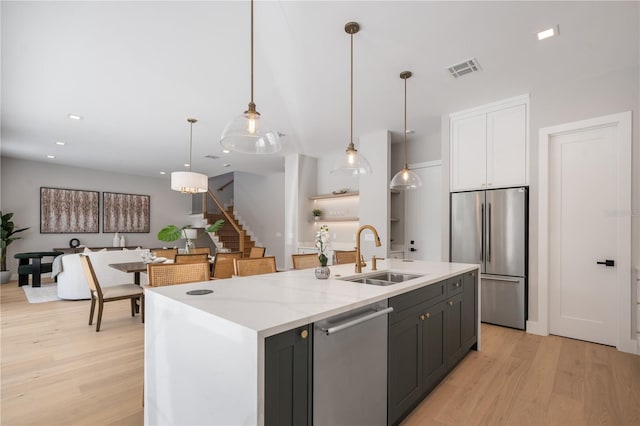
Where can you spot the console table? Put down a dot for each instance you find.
(73, 250)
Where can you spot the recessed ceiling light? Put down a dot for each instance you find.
(163, 173)
(60, 143)
(51, 156)
(226, 151)
(186, 164)
(226, 164)
(550, 32)
(74, 117)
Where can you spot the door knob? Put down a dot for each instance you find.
(607, 262)
(413, 249)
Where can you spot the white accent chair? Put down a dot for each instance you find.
(72, 282)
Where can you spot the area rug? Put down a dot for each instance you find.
(47, 293)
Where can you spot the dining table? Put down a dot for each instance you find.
(131, 267)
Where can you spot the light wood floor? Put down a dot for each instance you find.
(56, 370)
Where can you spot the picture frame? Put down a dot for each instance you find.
(69, 211)
(126, 213)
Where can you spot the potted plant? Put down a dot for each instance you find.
(316, 214)
(8, 230)
(171, 233)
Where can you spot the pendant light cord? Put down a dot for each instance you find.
(190, 142)
(405, 124)
(351, 130)
(251, 51)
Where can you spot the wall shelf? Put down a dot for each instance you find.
(326, 196)
(337, 219)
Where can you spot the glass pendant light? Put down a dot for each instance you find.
(405, 178)
(353, 163)
(248, 133)
(189, 182)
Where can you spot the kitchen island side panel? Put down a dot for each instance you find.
(199, 369)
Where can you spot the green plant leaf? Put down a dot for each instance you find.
(170, 233)
(216, 226)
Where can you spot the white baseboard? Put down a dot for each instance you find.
(630, 346)
(534, 327)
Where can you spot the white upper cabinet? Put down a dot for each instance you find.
(490, 146)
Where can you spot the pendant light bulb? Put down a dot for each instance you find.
(189, 182)
(353, 163)
(405, 178)
(247, 133)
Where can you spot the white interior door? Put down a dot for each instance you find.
(423, 214)
(584, 213)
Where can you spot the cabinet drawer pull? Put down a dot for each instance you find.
(304, 334)
(421, 317)
(450, 302)
(428, 315)
(458, 284)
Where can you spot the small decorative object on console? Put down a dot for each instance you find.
(322, 237)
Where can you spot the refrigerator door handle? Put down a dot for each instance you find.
(489, 235)
(499, 278)
(482, 232)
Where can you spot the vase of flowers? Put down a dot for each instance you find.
(322, 238)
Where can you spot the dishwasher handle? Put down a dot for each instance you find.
(347, 324)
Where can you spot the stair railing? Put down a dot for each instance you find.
(226, 215)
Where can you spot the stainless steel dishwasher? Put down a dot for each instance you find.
(350, 367)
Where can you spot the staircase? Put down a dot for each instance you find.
(227, 236)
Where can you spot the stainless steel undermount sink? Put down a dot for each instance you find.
(383, 278)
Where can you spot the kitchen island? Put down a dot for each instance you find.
(205, 354)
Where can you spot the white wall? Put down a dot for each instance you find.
(260, 202)
(21, 182)
(374, 192)
(563, 102)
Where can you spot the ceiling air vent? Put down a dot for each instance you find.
(466, 67)
(211, 157)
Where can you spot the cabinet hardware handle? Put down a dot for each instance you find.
(428, 315)
(607, 262)
(421, 317)
(458, 284)
(304, 334)
(490, 184)
(450, 302)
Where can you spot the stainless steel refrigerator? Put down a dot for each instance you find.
(491, 228)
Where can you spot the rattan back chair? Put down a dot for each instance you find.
(197, 250)
(305, 261)
(108, 294)
(177, 273)
(344, 256)
(223, 264)
(168, 253)
(257, 252)
(254, 266)
(191, 258)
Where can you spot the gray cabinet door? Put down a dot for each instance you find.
(434, 364)
(453, 336)
(469, 318)
(405, 365)
(287, 378)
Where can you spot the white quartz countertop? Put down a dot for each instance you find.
(271, 303)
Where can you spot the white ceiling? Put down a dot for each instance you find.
(136, 70)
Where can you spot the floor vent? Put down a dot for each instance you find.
(466, 67)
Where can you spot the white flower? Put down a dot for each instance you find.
(322, 238)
